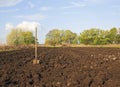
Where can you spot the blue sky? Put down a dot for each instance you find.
(76, 15)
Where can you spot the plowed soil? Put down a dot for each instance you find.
(61, 67)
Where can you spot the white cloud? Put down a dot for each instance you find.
(4, 3)
(25, 25)
(45, 8)
(9, 26)
(34, 17)
(28, 26)
(31, 5)
(75, 5)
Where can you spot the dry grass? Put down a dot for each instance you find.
(82, 45)
(10, 48)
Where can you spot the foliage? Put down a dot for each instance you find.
(118, 39)
(112, 35)
(53, 37)
(99, 37)
(20, 37)
(91, 36)
(69, 37)
(57, 37)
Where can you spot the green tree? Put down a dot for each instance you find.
(69, 37)
(76, 40)
(101, 38)
(94, 37)
(118, 39)
(88, 36)
(27, 37)
(53, 37)
(112, 35)
(57, 37)
(20, 37)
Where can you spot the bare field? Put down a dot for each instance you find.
(61, 67)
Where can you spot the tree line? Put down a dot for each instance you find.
(54, 37)
(91, 36)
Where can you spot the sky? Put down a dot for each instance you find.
(76, 15)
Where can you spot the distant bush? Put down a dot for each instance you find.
(20, 37)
